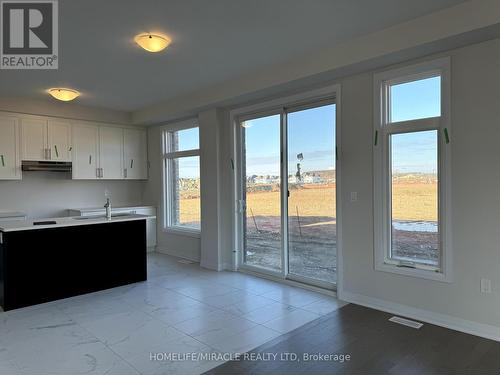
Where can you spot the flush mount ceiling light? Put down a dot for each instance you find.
(152, 42)
(63, 94)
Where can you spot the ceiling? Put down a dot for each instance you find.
(213, 41)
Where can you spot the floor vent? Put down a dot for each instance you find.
(406, 322)
(185, 261)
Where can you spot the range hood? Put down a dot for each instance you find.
(51, 166)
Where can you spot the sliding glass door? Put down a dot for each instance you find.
(312, 225)
(262, 188)
(288, 204)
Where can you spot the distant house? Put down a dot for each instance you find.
(266, 180)
(312, 179)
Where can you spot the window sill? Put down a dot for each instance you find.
(414, 272)
(183, 231)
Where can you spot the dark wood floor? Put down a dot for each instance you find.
(376, 346)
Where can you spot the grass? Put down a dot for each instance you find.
(415, 201)
(411, 201)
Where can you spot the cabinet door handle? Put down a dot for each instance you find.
(57, 152)
(90, 159)
(3, 160)
(131, 163)
(125, 173)
(45, 153)
(50, 153)
(97, 172)
(102, 172)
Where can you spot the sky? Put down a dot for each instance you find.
(189, 139)
(311, 132)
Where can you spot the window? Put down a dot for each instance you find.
(411, 171)
(182, 178)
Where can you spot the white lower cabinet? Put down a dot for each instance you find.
(10, 158)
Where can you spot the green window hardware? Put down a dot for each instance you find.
(446, 136)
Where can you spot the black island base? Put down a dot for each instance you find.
(42, 265)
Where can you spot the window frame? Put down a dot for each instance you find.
(383, 129)
(168, 156)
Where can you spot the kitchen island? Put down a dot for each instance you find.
(49, 259)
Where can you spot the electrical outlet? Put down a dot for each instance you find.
(485, 286)
(354, 196)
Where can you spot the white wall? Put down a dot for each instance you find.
(475, 81)
(50, 194)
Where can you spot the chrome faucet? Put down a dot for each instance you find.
(107, 206)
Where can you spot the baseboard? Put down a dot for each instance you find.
(163, 250)
(443, 320)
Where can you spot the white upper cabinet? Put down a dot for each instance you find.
(85, 152)
(43, 139)
(34, 139)
(135, 154)
(111, 153)
(59, 140)
(108, 152)
(97, 151)
(10, 160)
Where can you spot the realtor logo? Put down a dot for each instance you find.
(29, 34)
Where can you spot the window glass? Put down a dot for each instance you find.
(414, 172)
(185, 177)
(188, 139)
(262, 219)
(415, 100)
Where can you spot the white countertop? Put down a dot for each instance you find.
(86, 209)
(14, 226)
